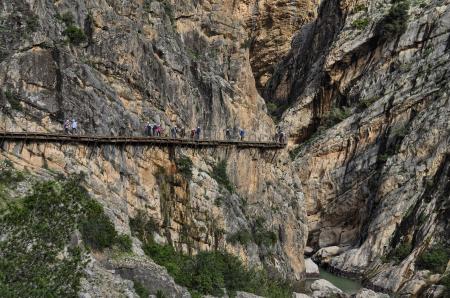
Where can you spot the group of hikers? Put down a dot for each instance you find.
(156, 130)
(229, 136)
(71, 126)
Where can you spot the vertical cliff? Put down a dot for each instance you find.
(113, 66)
(364, 95)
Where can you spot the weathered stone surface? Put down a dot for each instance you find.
(311, 268)
(322, 288)
(368, 120)
(152, 276)
(300, 295)
(169, 62)
(435, 291)
(366, 293)
(246, 295)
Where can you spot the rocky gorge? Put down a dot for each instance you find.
(360, 87)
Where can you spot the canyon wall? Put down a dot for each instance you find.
(368, 88)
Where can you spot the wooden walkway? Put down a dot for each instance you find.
(37, 137)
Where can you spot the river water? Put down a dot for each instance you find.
(347, 285)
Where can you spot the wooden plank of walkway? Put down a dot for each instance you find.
(38, 137)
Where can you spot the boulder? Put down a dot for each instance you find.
(324, 255)
(366, 293)
(311, 268)
(300, 295)
(246, 295)
(435, 291)
(323, 289)
(308, 251)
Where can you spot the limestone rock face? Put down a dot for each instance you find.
(368, 125)
(271, 25)
(113, 66)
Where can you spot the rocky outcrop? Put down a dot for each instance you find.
(368, 113)
(366, 293)
(311, 268)
(322, 288)
(363, 99)
(271, 25)
(113, 67)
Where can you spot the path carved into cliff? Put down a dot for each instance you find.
(133, 140)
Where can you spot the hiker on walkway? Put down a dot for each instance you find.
(193, 133)
(67, 126)
(147, 129)
(182, 132)
(282, 138)
(173, 132)
(74, 126)
(197, 133)
(158, 130)
(241, 134)
(228, 134)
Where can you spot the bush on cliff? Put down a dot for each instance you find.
(395, 22)
(401, 252)
(36, 258)
(210, 272)
(434, 259)
(184, 166)
(219, 173)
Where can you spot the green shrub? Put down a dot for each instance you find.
(8, 175)
(67, 18)
(160, 294)
(45, 218)
(361, 24)
(218, 201)
(365, 103)
(97, 230)
(147, 5)
(184, 166)
(267, 238)
(32, 23)
(336, 115)
(124, 242)
(401, 252)
(37, 229)
(262, 236)
(13, 99)
(140, 289)
(271, 107)
(395, 22)
(434, 259)
(359, 8)
(294, 152)
(143, 226)
(219, 173)
(75, 34)
(243, 237)
(209, 272)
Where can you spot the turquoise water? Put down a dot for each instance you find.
(347, 285)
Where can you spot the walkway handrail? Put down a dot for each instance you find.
(44, 137)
